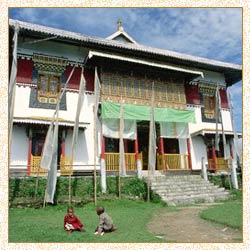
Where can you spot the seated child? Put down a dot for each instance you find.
(105, 222)
(71, 222)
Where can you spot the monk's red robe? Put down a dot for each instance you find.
(74, 221)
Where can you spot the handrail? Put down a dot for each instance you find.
(112, 161)
(173, 162)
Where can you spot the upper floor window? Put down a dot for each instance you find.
(209, 107)
(48, 88)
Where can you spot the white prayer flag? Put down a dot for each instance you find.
(174, 130)
(12, 84)
(122, 163)
(217, 113)
(52, 173)
(97, 92)
(78, 111)
(47, 148)
(152, 137)
(110, 128)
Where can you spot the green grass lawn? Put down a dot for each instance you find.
(46, 224)
(229, 213)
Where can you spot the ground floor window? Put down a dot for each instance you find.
(171, 146)
(38, 140)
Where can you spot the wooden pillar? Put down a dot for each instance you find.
(29, 152)
(103, 147)
(189, 154)
(136, 150)
(162, 153)
(63, 144)
(125, 141)
(214, 158)
(231, 150)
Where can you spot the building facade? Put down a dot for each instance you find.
(183, 86)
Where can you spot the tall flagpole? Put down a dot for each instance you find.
(236, 146)
(46, 159)
(12, 87)
(95, 111)
(76, 126)
(150, 151)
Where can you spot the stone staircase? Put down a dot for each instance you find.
(186, 189)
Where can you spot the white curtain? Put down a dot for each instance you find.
(174, 130)
(110, 128)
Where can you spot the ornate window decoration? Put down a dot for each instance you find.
(50, 71)
(137, 90)
(209, 101)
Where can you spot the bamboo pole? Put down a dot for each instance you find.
(150, 143)
(95, 199)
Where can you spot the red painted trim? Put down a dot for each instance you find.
(189, 153)
(214, 158)
(192, 94)
(29, 155)
(162, 151)
(24, 71)
(125, 141)
(63, 147)
(103, 147)
(136, 150)
(231, 150)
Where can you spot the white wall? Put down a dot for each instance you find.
(71, 52)
(213, 77)
(183, 146)
(22, 109)
(198, 150)
(19, 148)
(199, 125)
(84, 154)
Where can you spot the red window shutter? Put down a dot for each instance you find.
(24, 71)
(74, 82)
(192, 94)
(223, 97)
(89, 77)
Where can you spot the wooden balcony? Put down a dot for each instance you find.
(66, 167)
(112, 161)
(220, 164)
(172, 162)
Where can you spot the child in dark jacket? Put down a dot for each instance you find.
(105, 222)
(71, 222)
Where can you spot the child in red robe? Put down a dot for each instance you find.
(71, 222)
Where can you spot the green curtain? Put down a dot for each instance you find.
(142, 113)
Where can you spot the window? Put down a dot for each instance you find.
(48, 88)
(209, 107)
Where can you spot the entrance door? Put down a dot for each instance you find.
(37, 146)
(143, 140)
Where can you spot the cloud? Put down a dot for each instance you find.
(214, 33)
(208, 32)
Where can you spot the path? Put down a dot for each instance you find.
(183, 224)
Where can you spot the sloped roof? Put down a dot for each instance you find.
(121, 33)
(232, 72)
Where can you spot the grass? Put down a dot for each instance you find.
(46, 224)
(229, 213)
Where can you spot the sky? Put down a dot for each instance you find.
(214, 33)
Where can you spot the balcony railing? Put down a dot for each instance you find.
(112, 161)
(66, 167)
(172, 162)
(220, 164)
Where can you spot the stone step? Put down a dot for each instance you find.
(185, 196)
(195, 198)
(181, 185)
(190, 193)
(178, 177)
(187, 189)
(211, 190)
